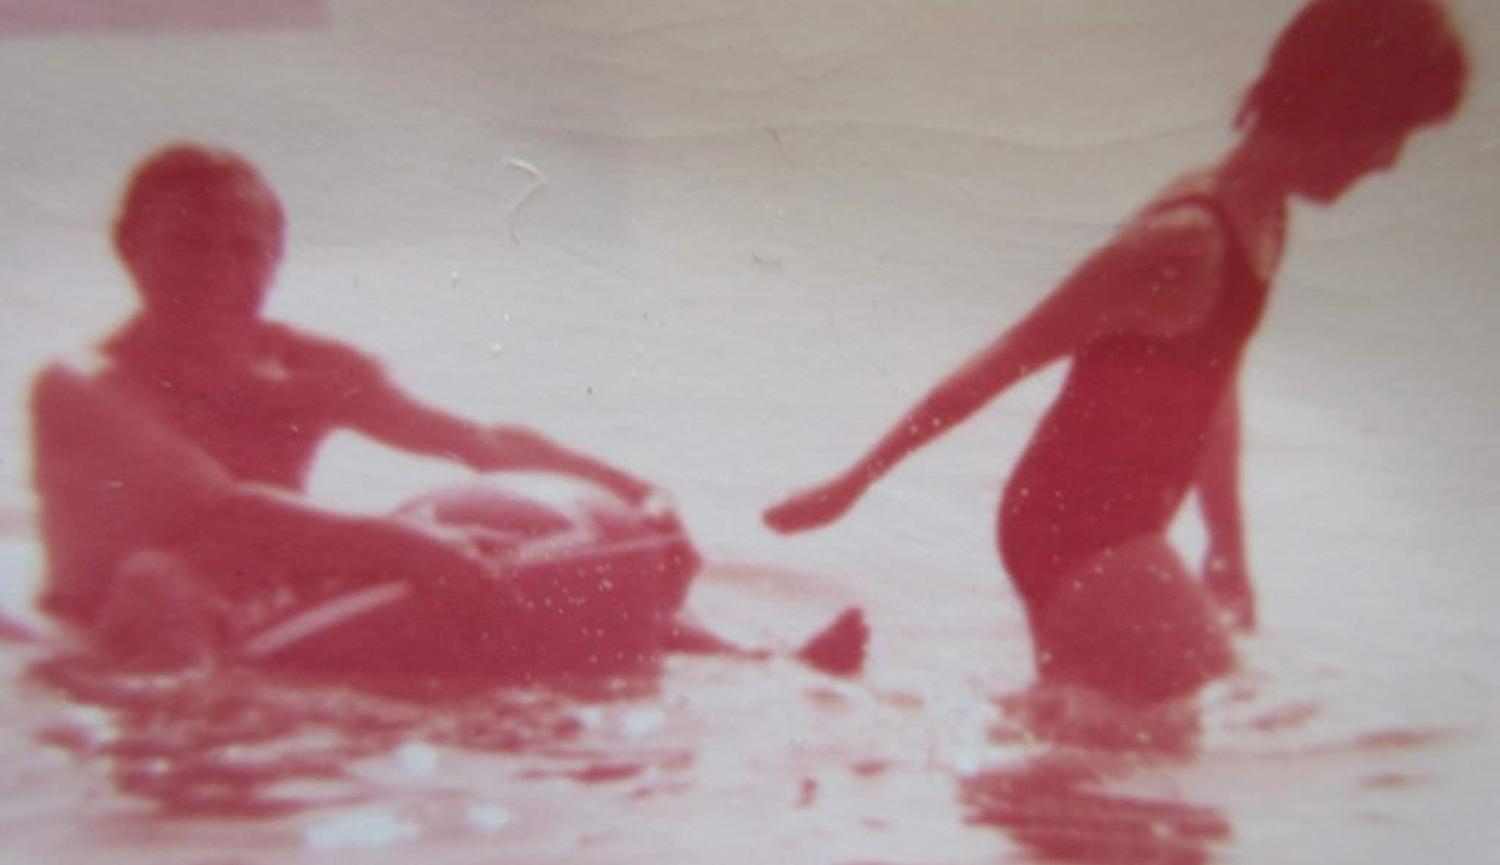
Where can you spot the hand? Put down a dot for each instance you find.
(815, 507)
(467, 554)
(657, 506)
(488, 548)
(1227, 578)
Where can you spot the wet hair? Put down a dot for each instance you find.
(181, 171)
(1351, 66)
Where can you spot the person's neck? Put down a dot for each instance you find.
(1252, 184)
(198, 331)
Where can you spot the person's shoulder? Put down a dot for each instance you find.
(80, 364)
(1179, 229)
(1194, 189)
(1184, 219)
(76, 384)
(76, 372)
(1168, 261)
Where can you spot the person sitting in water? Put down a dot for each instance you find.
(1155, 325)
(171, 476)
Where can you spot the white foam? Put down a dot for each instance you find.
(640, 722)
(488, 817)
(366, 828)
(417, 758)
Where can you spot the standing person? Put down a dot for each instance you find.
(1155, 324)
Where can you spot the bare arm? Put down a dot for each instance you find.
(404, 423)
(1225, 568)
(107, 464)
(1159, 277)
(379, 409)
(1035, 342)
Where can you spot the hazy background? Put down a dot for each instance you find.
(766, 227)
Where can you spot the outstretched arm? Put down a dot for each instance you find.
(1159, 277)
(1225, 568)
(383, 411)
(1037, 341)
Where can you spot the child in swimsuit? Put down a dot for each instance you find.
(170, 476)
(1155, 325)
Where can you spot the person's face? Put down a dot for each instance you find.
(1324, 169)
(206, 253)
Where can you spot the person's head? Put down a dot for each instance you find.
(1345, 84)
(200, 232)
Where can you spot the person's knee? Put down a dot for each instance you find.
(1131, 622)
(156, 614)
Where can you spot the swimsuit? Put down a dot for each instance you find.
(1110, 465)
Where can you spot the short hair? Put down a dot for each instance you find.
(193, 169)
(1350, 66)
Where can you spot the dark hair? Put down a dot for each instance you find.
(1347, 66)
(182, 170)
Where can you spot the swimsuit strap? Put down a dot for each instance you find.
(1236, 243)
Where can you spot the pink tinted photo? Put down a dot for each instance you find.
(725, 433)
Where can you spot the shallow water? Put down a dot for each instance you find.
(710, 759)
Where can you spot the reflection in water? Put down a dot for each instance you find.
(239, 743)
(1061, 810)
(1060, 804)
(1080, 799)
